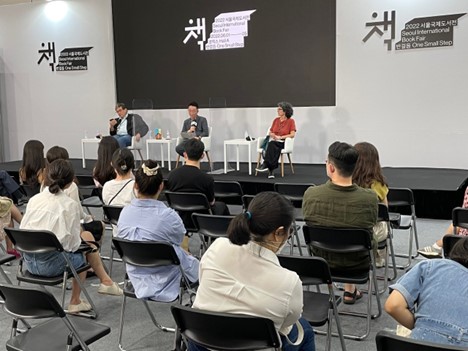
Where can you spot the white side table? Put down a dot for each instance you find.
(161, 142)
(237, 143)
(87, 141)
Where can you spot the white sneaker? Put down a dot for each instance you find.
(113, 289)
(433, 251)
(83, 306)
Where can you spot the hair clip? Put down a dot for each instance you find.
(123, 167)
(150, 171)
(248, 215)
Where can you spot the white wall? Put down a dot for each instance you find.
(410, 104)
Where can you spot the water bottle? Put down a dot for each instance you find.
(85, 134)
(151, 134)
(168, 135)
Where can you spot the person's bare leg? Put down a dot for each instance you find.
(95, 261)
(76, 290)
(16, 214)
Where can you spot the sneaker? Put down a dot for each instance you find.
(113, 289)
(379, 262)
(271, 175)
(262, 168)
(83, 306)
(432, 251)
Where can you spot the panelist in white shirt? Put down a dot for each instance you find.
(126, 126)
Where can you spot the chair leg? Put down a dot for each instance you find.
(141, 156)
(209, 160)
(122, 313)
(155, 322)
(282, 165)
(258, 162)
(290, 163)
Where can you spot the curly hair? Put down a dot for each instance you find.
(287, 108)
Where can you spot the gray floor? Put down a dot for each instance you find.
(140, 334)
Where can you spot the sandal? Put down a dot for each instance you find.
(352, 297)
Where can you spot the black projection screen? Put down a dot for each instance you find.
(288, 52)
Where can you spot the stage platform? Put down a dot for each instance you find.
(436, 190)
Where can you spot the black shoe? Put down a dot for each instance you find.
(271, 175)
(262, 168)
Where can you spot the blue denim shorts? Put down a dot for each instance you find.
(52, 264)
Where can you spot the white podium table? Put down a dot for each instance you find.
(161, 142)
(237, 143)
(87, 141)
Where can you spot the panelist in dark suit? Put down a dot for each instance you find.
(126, 126)
(195, 125)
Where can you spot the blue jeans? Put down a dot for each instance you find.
(52, 264)
(307, 344)
(123, 140)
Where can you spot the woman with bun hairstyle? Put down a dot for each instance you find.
(53, 210)
(119, 191)
(241, 273)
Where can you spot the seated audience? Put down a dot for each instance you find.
(195, 126)
(119, 191)
(9, 214)
(341, 204)
(88, 223)
(283, 127)
(147, 219)
(54, 211)
(126, 126)
(103, 170)
(31, 172)
(10, 188)
(435, 250)
(430, 299)
(242, 274)
(368, 175)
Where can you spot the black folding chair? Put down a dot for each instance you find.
(90, 194)
(60, 332)
(112, 214)
(342, 241)
(319, 308)
(230, 192)
(384, 216)
(449, 241)
(387, 341)
(186, 204)
(224, 331)
(148, 254)
(246, 200)
(210, 227)
(459, 218)
(29, 241)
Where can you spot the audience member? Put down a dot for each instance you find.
(31, 172)
(103, 170)
(54, 211)
(126, 126)
(195, 126)
(147, 219)
(368, 174)
(430, 299)
(10, 188)
(9, 214)
(283, 127)
(119, 191)
(242, 274)
(341, 204)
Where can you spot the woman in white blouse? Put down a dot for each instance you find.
(119, 191)
(242, 274)
(53, 210)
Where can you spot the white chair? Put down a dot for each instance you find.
(206, 141)
(136, 146)
(288, 150)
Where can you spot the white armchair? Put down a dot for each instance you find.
(206, 141)
(288, 150)
(136, 146)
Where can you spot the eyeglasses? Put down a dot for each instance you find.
(280, 109)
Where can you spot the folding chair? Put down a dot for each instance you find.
(345, 241)
(60, 332)
(459, 218)
(90, 195)
(387, 341)
(225, 331)
(210, 227)
(319, 308)
(148, 254)
(229, 192)
(44, 241)
(449, 241)
(5, 258)
(112, 213)
(30, 190)
(384, 216)
(402, 199)
(246, 200)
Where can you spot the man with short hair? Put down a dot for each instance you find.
(126, 126)
(341, 204)
(195, 126)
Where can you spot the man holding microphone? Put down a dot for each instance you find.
(194, 127)
(126, 126)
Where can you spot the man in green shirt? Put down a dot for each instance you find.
(341, 204)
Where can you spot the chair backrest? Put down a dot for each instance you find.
(339, 240)
(27, 302)
(228, 190)
(85, 181)
(448, 242)
(289, 145)
(34, 241)
(146, 253)
(382, 214)
(186, 204)
(294, 192)
(387, 341)
(311, 270)
(112, 213)
(211, 225)
(460, 218)
(223, 331)
(142, 104)
(401, 198)
(207, 140)
(246, 200)
(31, 190)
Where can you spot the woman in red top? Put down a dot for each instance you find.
(283, 127)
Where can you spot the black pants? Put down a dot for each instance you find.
(272, 154)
